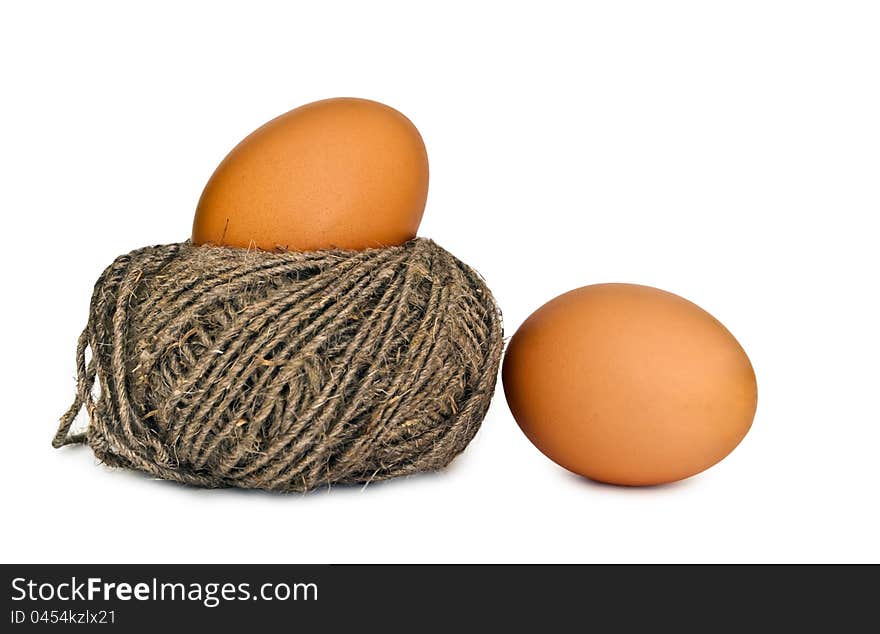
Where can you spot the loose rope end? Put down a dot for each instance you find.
(72, 439)
(63, 435)
(84, 381)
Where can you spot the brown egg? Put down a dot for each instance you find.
(629, 384)
(340, 173)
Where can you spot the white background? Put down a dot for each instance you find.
(726, 151)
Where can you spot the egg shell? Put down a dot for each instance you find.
(629, 384)
(340, 173)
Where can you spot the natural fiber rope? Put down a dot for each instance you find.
(225, 367)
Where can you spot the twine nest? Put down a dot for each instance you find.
(223, 367)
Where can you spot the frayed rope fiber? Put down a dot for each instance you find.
(223, 367)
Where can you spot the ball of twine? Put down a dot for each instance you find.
(223, 367)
